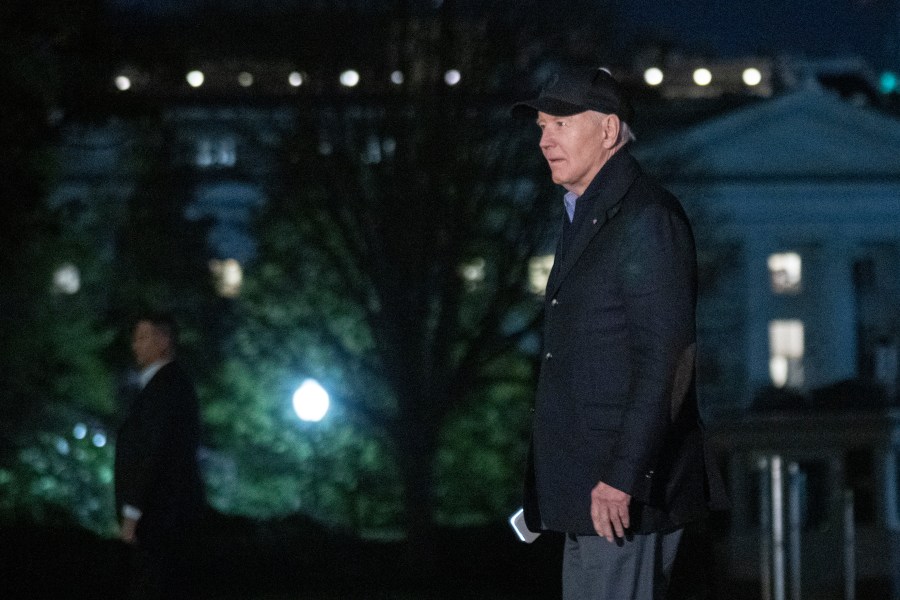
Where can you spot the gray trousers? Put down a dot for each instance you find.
(637, 568)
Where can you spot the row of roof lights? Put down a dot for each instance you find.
(703, 77)
(348, 78)
(351, 78)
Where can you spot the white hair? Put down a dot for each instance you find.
(625, 133)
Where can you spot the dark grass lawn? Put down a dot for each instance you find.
(290, 559)
(296, 560)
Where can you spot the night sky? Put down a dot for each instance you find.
(819, 28)
(741, 27)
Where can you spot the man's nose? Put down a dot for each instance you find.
(546, 139)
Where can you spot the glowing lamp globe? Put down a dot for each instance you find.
(311, 401)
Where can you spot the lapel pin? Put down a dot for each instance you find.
(595, 221)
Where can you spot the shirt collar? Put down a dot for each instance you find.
(569, 200)
(147, 374)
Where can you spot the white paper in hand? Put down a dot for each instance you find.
(517, 522)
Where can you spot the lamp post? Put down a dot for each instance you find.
(311, 402)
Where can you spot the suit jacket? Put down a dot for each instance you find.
(616, 398)
(156, 468)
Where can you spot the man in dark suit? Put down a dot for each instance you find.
(617, 460)
(159, 492)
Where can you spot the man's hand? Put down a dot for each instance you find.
(609, 511)
(127, 529)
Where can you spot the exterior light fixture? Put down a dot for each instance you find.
(195, 78)
(653, 76)
(888, 83)
(123, 83)
(295, 79)
(452, 77)
(62, 446)
(311, 401)
(67, 279)
(702, 77)
(245, 79)
(349, 78)
(397, 77)
(751, 76)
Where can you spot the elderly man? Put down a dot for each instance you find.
(617, 460)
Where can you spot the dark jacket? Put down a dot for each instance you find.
(616, 399)
(156, 468)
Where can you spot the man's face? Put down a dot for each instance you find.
(149, 344)
(576, 147)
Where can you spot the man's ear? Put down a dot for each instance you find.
(611, 126)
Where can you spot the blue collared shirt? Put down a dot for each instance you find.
(569, 200)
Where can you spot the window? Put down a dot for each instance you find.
(785, 272)
(538, 273)
(786, 352)
(472, 273)
(216, 152)
(228, 276)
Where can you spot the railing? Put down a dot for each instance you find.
(779, 565)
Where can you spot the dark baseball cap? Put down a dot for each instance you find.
(572, 92)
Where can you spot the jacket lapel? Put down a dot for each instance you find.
(603, 197)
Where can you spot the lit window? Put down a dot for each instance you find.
(221, 152)
(786, 353)
(349, 78)
(452, 77)
(785, 272)
(538, 273)
(389, 146)
(228, 276)
(702, 77)
(653, 76)
(472, 273)
(372, 154)
(67, 279)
